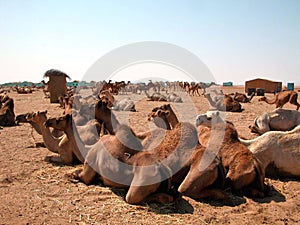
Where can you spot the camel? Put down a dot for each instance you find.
(172, 97)
(124, 104)
(240, 97)
(199, 182)
(279, 119)
(62, 144)
(282, 98)
(224, 103)
(278, 151)
(7, 115)
(169, 113)
(244, 170)
(156, 97)
(72, 137)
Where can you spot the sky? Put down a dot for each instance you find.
(237, 40)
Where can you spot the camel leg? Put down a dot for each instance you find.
(196, 182)
(293, 100)
(65, 151)
(86, 175)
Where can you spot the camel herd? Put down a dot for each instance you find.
(206, 159)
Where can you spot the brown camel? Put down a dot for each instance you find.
(282, 98)
(7, 115)
(73, 136)
(224, 103)
(200, 181)
(240, 97)
(171, 116)
(244, 170)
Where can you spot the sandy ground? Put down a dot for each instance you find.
(34, 191)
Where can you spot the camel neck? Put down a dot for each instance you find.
(50, 141)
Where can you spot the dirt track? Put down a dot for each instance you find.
(34, 191)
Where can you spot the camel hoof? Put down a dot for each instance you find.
(76, 174)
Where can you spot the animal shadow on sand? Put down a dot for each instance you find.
(179, 206)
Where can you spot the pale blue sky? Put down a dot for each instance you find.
(237, 40)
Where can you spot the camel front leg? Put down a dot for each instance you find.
(87, 175)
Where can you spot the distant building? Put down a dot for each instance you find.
(56, 84)
(229, 83)
(268, 85)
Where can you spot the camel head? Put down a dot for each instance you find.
(102, 112)
(209, 117)
(60, 123)
(22, 118)
(160, 119)
(37, 117)
(150, 177)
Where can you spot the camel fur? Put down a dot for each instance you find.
(282, 98)
(244, 170)
(279, 119)
(278, 151)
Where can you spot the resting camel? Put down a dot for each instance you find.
(63, 145)
(7, 115)
(224, 103)
(244, 170)
(206, 176)
(278, 151)
(124, 104)
(240, 97)
(279, 119)
(172, 97)
(73, 138)
(282, 98)
(156, 97)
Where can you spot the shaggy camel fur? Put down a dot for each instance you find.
(278, 151)
(7, 115)
(224, 103)
(279, 119)
(244, 171)
(282, 98)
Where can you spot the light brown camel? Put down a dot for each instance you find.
(72, 137)
(282, 98)
(7, 114)
(279, 119)
(62, 144)
(278, 151)
(172, 97)
(244, 170)
(224, 103)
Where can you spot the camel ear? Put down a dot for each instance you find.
(46, 111)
